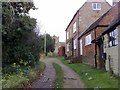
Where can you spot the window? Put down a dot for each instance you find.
(67, 35)
(74, 27)
(88, 39)
(67, 47)
(75, 43)
(70, 32)
(113, 38)
(96, 6)
(104, 41)
(81, 51)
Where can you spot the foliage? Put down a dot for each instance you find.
(59, 76)
(23, 77)
(93, 78)
(20, 42)
(49, 42)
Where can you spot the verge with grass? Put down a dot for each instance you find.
(93, 78)
(59, 76)
(23, 78)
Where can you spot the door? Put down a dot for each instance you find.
(100, 54)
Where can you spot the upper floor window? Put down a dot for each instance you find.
(68, 47)
(74, 27)
(88, 39)
(67, 35)
(70, 32)
(96, 6)
(75, 43)
(113, 38)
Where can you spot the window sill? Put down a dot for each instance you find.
(74, 32)
(88, 44)
(96, 9)
(113, 46)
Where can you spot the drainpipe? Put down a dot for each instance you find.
(71, 48)
(78, 35)
(95, 50)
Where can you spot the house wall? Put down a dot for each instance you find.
(88, 16)
(112, 56)
(72, 36)
(106, 20)
(88, 56)
(119, 49)
(61, 51)
(84, 17)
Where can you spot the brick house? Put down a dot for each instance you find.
(92, 43)
(83, 18)
(111, 46)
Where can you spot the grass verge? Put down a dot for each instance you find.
(93, 77)
(21, 79)
(59, 76)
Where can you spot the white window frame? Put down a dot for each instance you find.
(67, 35)
(88, 40)
(74, 27)
(68, 47)
(75, 43)
(70, 32)
(96, 6)
(113, 34)
(81, 49)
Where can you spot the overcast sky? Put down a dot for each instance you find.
(53, 16)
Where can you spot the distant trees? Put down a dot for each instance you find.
(49, 43)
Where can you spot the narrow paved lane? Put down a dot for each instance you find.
(47, 78)
(71, 79)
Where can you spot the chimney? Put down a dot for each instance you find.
(96, 0)
(115, 2)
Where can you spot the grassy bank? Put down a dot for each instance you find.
(59, 76)
(24, 77)
(93, 77)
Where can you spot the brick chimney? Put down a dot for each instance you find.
(115, 2)
(96, 0)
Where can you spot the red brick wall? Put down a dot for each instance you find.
(88, 51)
(61, 51)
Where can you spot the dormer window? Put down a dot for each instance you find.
(96, 6)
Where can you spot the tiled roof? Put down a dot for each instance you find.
(115, 23)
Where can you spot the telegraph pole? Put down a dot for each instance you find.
(45, 44)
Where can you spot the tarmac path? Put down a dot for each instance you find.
(47, 79)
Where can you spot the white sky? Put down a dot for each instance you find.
(53, 16)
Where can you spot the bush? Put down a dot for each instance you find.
(22, 77)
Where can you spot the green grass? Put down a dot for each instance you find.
(99, 79)
(59, 76)
(20, 80)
